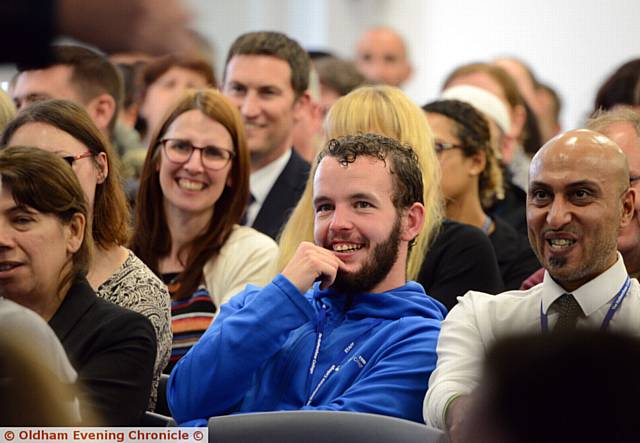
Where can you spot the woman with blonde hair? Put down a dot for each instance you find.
(388, 111)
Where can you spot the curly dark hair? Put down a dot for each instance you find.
(404, 167)
(473, 131)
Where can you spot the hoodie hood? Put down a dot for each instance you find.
(408, 300)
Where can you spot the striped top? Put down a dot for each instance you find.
(190, 318)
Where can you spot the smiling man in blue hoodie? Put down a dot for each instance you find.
(340, 328)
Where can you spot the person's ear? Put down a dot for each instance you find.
(628, 200)
(478, 163)
(300, 106)
(103, 167)
(74, 231)
(102, 109)
(413, 220)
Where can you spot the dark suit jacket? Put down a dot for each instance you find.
(283, 197)
(113, 350)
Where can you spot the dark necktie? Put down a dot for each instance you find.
(250, 200)
(569, 310)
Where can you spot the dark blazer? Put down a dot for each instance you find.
(283, 197)
(113, 350)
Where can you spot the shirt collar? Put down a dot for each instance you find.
(592, 295)
(262, 180)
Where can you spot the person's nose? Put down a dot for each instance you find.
(341, 220)
(250, 107)
(7, 240)
(559, 213)
(194, 164)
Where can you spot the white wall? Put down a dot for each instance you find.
(572, 44)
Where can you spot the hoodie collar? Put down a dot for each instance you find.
(408, 300)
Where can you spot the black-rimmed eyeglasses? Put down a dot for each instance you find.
(180, 151)
(440, 147)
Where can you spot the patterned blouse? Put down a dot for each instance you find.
(135, 287)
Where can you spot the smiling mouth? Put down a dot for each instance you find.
(190, 185)
(559, 244)
(346, 247)
(8, 266)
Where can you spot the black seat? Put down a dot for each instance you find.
(151, 419)
(319, 427)
(162, 407)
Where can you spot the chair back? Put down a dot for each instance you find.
(319, 427)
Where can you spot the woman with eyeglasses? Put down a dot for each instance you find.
(115, 273)
(193, 191)
(472, 181)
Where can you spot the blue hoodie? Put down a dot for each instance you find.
(273, 349)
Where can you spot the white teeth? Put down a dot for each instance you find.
(561, 242)
(346, 247)
(190, 185)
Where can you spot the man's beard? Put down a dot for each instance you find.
(374, 269)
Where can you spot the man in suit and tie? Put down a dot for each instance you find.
(579, 198)
(266, 75)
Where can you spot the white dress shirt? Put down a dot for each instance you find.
(479, 319)
(261, 182)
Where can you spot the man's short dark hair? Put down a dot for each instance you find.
(340, 75)
(92, 74)
(403, 167)
(278, 45)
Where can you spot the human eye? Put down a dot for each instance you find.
(362, 204)
(236, 89)
(180, 145)
(214, 153)
(323, 208)
(582, 195)
(22, 219)
(169, 83)
(539, 196)
(269, 92)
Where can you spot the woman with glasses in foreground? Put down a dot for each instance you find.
(193, 191)
(115, 273)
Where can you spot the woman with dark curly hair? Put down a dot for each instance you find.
(472, 181)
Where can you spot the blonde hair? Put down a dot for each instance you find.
(387, 111)
(7, 110)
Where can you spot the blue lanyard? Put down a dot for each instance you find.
(617, 301)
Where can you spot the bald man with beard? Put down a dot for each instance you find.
(579, 198)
